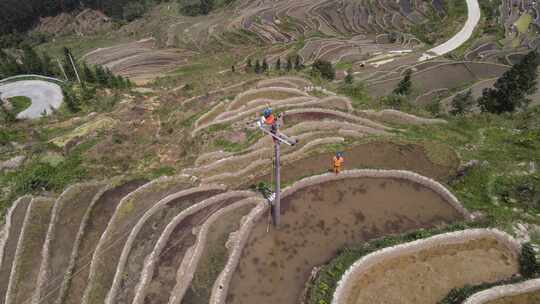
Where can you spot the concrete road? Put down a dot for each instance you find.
(45, 96)
(461, 37)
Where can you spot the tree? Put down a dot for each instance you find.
(206, 6)
(258, 67)
(264, 66)
(278, 64)
(349, 78)
(31, 61)
(233, 69)
(70, 99)
(462, 103)
(89, 75)
(249, 66)
(133, 10)
(289, 66)
(405, 85)
(298, 63)
(512, 88)
(325, 69)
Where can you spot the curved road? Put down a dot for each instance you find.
(45, 96)
(461, 37)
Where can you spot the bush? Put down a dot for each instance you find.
(462, 103)
(404, 87)
(133, 10)
(528, 265)
(324, 68)
(394, 101)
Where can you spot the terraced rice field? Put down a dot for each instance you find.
(317, 221)
(423, 277)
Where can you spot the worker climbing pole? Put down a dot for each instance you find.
(270, 124)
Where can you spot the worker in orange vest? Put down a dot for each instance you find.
(337, 162)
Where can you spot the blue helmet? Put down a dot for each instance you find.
(339, 154)
(267, 112)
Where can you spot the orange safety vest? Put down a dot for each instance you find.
(269, 120)
(338, 161)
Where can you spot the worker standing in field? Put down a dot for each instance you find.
(337, 162)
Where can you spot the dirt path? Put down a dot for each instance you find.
(461, 37)
(45, 96)
(529, 298)
(425, 278)
(319, 220)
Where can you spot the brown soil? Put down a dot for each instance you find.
(293, 119)
(528, 298)
(29, 260)
(17, 219)
(425, 278)
(100, 216)
(147, 238)
(214, 256)
(61, 246)
(319, 220)
(122, 223)
(379, 155)
(181, 239)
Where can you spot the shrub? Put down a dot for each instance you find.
(462, 103)
(404, 87)
(528, 265)
(324, 68)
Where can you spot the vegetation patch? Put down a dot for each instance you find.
(322, 288)
(105, 123)
(20, 103)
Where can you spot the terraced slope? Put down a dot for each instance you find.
(418, 272)
(24, 274)
(10, 238)
(68, 213)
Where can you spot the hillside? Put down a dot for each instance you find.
(133, 171)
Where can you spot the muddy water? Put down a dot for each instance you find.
(319, 220)
(424, 277)
(529, 298)
(380, 155)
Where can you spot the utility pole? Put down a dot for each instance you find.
(278, 139)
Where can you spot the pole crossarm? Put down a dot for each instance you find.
(282, 138)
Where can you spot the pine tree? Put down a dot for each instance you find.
(101, 76)
(257, 67)
(70, 99)
(512, 88)
(298, 63)
(233, 69)
(89, 75)
(404, 87)
(349, 78)
(249, 66)
(289, 66)
(324, 68)
(31, 61)
(462, 103)
(278, 64)
(264, 66)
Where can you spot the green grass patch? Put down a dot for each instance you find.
(20, 103)
(523, 23)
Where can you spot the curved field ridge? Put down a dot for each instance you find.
(108, 249)
(120, 270)
(461, 37)
(221, 287)
(499, 292)
(5, 232)
(152, 259)
(402, 117)
(187, 274)
(346, 285)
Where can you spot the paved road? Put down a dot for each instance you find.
(44, 96)
(461, 37)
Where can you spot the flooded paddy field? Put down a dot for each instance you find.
(317, 221)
